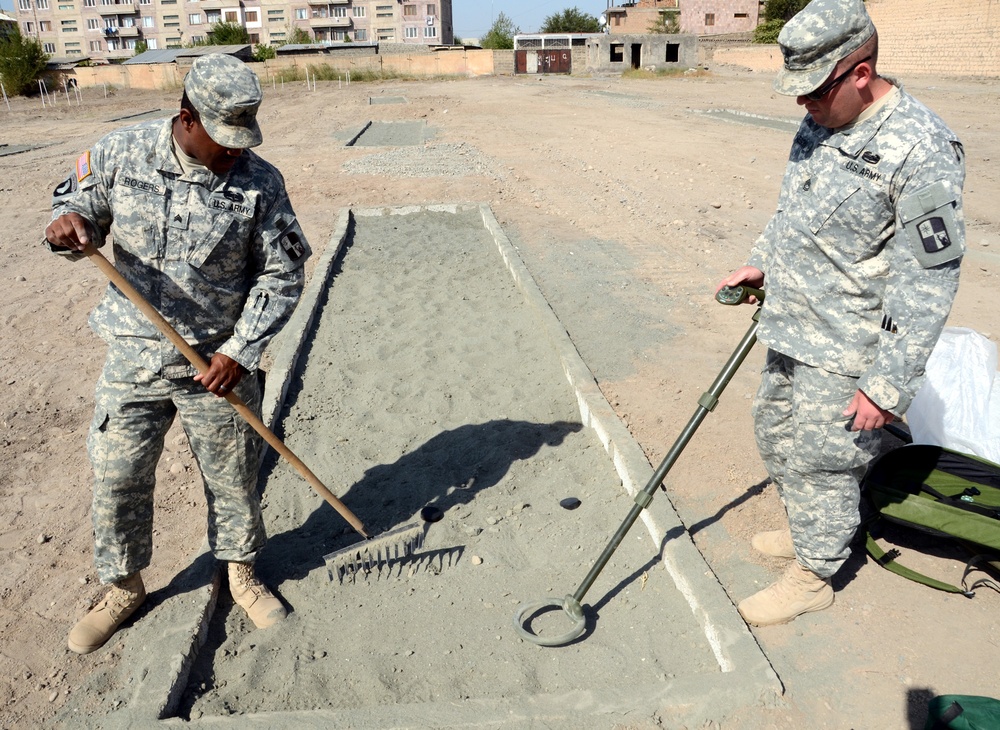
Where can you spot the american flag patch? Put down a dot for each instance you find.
(83, 167)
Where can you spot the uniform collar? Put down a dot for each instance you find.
(853, 138)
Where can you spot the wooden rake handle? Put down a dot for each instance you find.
(199, 362)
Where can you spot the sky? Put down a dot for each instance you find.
(472, 18)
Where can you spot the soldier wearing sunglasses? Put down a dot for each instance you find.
(860, 263)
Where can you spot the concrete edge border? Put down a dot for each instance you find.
(733, 645)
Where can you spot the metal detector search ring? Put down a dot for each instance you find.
(569, 604)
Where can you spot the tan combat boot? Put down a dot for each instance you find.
(263, 608)
(799, 591)
(776, 543)
(94, 629)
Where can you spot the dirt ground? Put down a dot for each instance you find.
(627, 203)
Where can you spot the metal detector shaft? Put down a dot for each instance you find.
(706, 404)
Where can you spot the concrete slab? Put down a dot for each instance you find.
(16, 149)
(754, 120)
(143, 116)
(372, 100)
(390, 134)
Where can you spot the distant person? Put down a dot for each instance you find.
(861, 265)
(204, 230)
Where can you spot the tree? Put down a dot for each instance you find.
(782, 10)
(262, 52)
(665, 23)
(227, 34)
(22, 62)
(141, 47)
(297, 36)
(501, 33)
(776, 14)
(572, 20)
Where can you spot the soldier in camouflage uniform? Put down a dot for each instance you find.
(861, 265)
(204, 230)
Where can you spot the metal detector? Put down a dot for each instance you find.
(706, 404)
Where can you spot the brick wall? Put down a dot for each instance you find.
(939, 37)
(724, 12)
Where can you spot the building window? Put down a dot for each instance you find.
(430, 31)
(231, 16)
(278, 36)
(409, 32)
(96, 46)
(255, 38)
(432, 9)
(128, 22)
(252, 17)
(360, 34)
(386, 34)
(151, 44)
(65, 7)
(196, 39)
(93, 23)
(617, 52)
(618, 19)
(49, 47)
(709, 19)
(409, 11)
(383, 11)
(194, 18)
(338, 35)
(29, 27)
(173, 42)
(111, 22)
(213, 16)
(275, 16)
(44, 26)
(68, 26)
(24, 4)
(340, 12)
(130, 43)
(42, 4)
(359, 12)
(301, 13)
(741, 15)
(147, 21)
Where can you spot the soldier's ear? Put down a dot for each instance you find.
(187, 119)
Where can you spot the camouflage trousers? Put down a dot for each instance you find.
(134, 410)
(812, 456)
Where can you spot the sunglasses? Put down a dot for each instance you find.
(827, 88)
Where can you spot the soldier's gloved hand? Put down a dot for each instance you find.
(222, 375)
(70, 230)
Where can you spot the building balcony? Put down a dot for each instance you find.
(131, 31)
(118, 8)
(120, 53)
(327, 2)
(329, 22)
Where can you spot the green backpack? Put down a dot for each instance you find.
(963, 712)
(941, 492)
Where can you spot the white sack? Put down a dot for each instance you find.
(958, 406)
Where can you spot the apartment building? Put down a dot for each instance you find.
(110, 30)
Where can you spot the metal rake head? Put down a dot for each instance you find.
(376, 552)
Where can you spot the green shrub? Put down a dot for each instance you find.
(767, 32)
(22, 62)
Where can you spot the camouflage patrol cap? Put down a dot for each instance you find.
(821, 34)
(226, 94)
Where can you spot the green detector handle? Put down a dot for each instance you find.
(738, 294)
